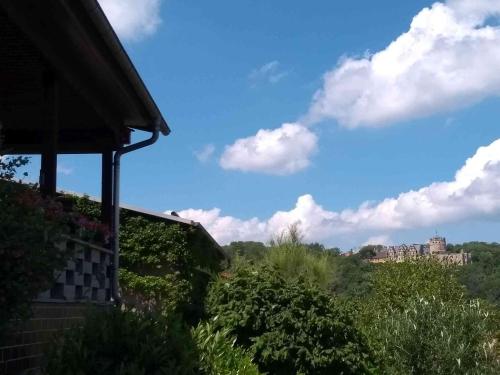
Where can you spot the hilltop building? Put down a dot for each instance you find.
(435, 248)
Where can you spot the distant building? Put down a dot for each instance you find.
(435, 248)
(437, 245)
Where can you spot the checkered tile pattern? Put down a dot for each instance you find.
(87, 277)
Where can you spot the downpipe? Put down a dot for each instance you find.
(115, 287)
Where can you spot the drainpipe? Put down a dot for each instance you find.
(115, 292)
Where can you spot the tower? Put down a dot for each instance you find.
(437, 245)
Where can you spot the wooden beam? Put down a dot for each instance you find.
(69, 141)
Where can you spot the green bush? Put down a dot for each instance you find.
(352, 277)
(290, 326)
(165, 294)
(30, 230)
(125, 343)
(218, 353)
(430, 336)
(292, 259)
(482, 276)
(396, 283)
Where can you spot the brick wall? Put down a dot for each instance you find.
(25, 344)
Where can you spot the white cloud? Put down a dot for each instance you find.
(64, 170)
(270, 72)
(281, 151)
(205, 153)
(381, 239)
(447, 59)
(472, 194)
(133, 19)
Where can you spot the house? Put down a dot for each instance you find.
(67, 86)
(435, 249)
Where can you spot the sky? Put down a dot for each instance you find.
(362, 121)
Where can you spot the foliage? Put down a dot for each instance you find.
(159, 271)
(369, 251)
(249, 250)
(396, 283)
(164, 294)
(430, 336)
(9, 166)
(125, 343)
(85, 206)
(351, 276)
(321, 249)
(154, 247)
(30, 229)
(218, 353)
(482, 276)
(163, 266)
(291, 326)
(293, 260)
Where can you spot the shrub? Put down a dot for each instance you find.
(125, 343)
(292, 327)
(430, 336)
(292, 259)
(165, 294)
(395, 283)
(352, 276)
(218, 353)
(30, 229)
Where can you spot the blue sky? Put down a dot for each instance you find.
(222, 71)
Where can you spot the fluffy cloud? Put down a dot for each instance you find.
(381, 239)
(472, 194)
(205, 153)
(270, 72)
(280, 151)
(64, 170)
(447, 59)
(133, 19)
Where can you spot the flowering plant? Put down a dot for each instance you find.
(92, 230)
(30, 235)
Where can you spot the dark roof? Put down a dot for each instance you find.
(101, 93)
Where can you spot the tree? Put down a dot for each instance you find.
(248, 250)
(369, 251)
(351, 276)
(318, 248)
(396, 283)
(430, 336)
(293, 260)
(292, 326)
(482, 276)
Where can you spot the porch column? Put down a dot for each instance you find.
(48, 172)
(107, 187)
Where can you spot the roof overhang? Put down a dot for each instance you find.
(101, 93)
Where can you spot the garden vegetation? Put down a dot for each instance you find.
(282, 308)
